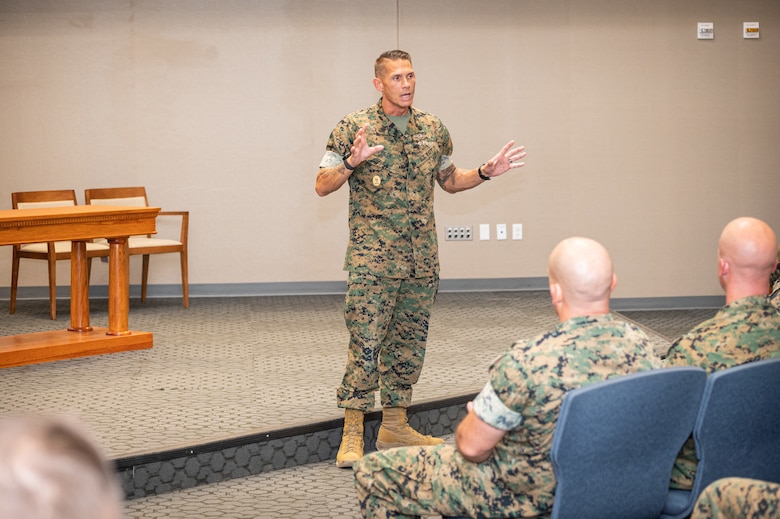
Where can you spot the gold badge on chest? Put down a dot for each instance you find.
(376, 181)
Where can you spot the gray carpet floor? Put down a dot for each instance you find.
(234, 366)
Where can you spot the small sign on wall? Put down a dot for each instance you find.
(750, 29)
(706, 31)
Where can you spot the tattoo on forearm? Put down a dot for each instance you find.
(447, 175)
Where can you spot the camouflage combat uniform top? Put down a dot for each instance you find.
(526, 388)
(732, 497)
(392, 231)
(745, 330)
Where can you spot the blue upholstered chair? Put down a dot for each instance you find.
(616, 441)
(737, 432)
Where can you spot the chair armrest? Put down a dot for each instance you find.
(185, 223)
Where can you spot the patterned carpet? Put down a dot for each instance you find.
(229, 366)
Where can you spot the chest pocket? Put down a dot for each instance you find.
(424, 155)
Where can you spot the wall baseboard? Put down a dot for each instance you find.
(340, 287)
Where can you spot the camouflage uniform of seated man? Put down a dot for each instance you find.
(746, 329)
(738, 498)
(500, 466)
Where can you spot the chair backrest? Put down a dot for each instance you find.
(737, 433)
(127, 196)
(615, 443)
(50, 198)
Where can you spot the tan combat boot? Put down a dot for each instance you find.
(395, 431)
(351, 448)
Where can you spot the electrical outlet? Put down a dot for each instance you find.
(501, 231)
(517, 231)
(458, 233)
(484, 231)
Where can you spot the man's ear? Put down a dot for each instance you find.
(556, 294)
(723, 267)
(378, 85)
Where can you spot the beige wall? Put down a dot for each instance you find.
(638, 134)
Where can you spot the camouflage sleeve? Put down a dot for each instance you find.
(342, 136)
(491, 410)
(331, 159)
(446, 161)
(446, 147)
(502, 400)
(738, 497)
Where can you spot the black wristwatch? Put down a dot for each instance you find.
(482, 175)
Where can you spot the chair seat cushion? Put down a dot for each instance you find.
(139, 242)
(143, 241)
(60, 246)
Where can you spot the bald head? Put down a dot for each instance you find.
(51, 467)
(581, 277)
(747, 255)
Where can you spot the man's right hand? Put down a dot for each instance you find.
(360, 150)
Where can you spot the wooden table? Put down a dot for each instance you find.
(80, 224)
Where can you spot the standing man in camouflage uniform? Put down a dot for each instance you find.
(500, 466)
(391, 154)
(738, 498)
(745, 330)
(774, 283)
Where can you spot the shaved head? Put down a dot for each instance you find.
(747, 255)
(582, 270)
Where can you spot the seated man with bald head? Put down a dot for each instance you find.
(745, 330)
(500, 465)
(52, 468)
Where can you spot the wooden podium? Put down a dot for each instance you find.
(80, 224)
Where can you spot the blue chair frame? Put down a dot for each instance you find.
(737, 432)
(615, 443)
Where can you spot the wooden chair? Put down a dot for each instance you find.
(50, 251)
(147, 245)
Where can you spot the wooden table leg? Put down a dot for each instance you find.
(118, 286)
(79, 288)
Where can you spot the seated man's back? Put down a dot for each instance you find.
(745, 330)
(501, 464)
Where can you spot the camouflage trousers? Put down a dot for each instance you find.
(684, 469)
(387, 321)
(409, 482)
(738, 498)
